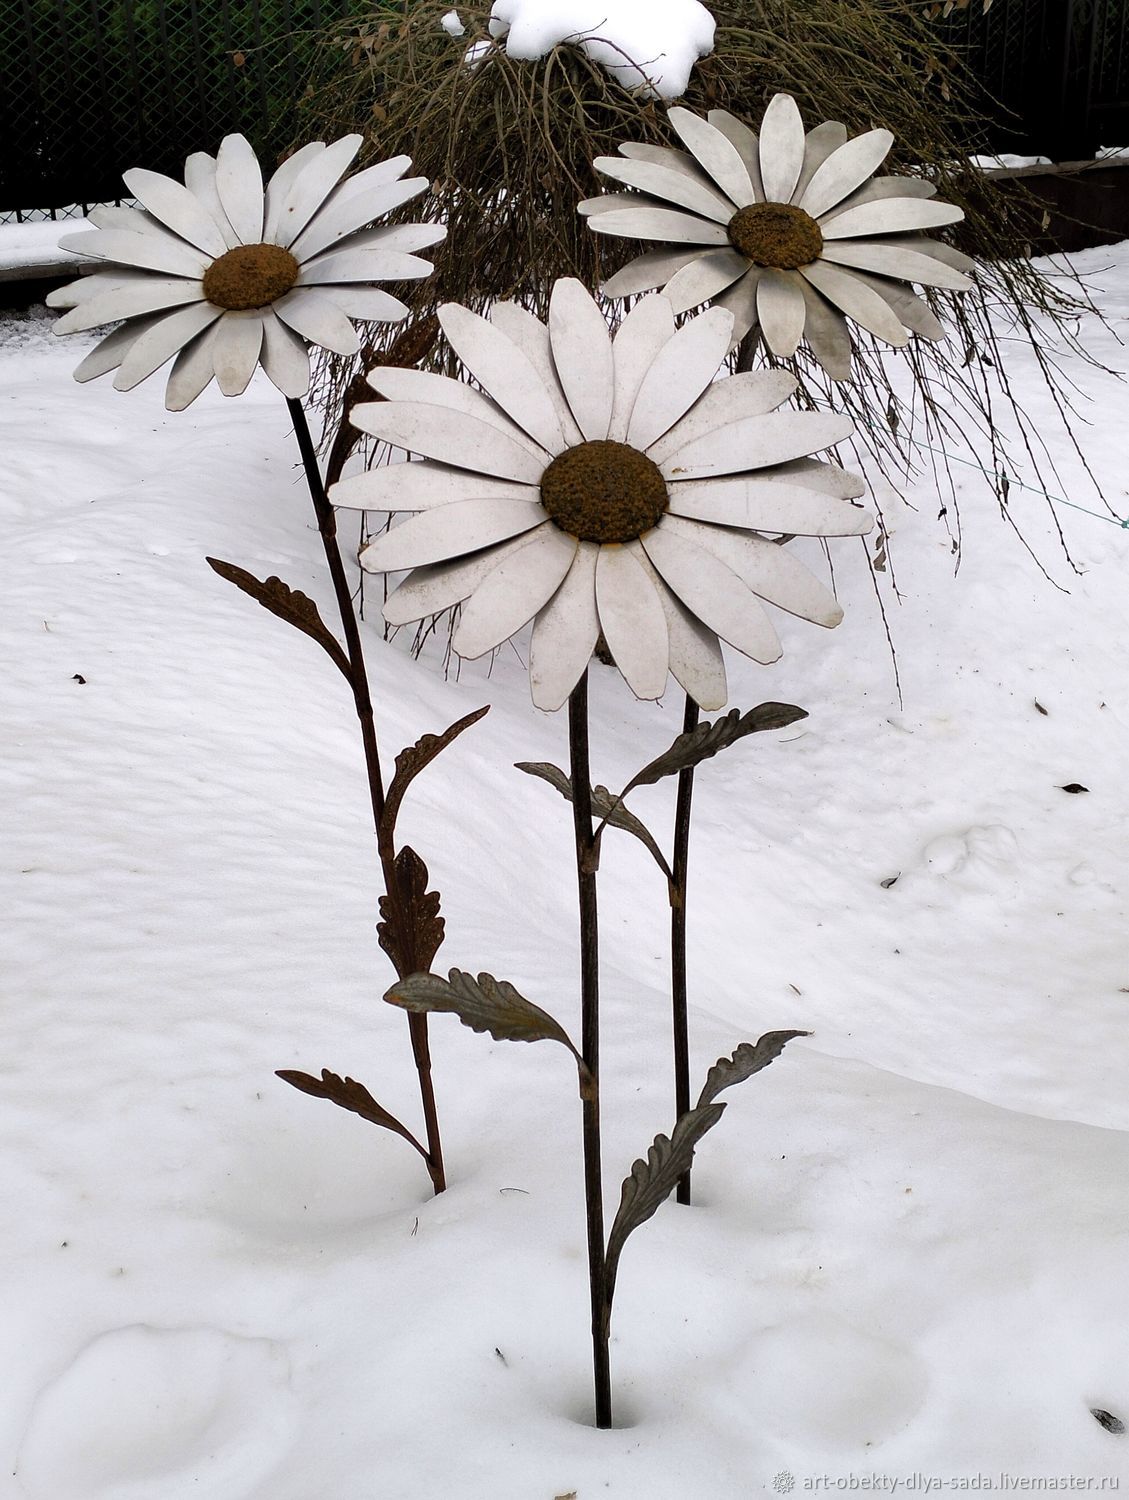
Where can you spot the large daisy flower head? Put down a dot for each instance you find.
(597, 485)
(225, 274)
(791, 231)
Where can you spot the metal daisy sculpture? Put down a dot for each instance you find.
(223, 274)
(791, 231)
(617, 486)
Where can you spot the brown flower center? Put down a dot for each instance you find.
(250, 276)
(603, 492)
(776, 234)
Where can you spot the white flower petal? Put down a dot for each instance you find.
(149, 251)
(450, 532)
(663, 156)
(814, 474)
(159, 343)
(678, 375)
(632, 620)
(532, 338)
(109, 352)
(318, 319)
(312, 186)
(713, 593)
(818, 146)
(908, 308)
(147, 295)
(505, 372)
(768, 505)
(757, 443)
(200, 180)
(889, 216)
(744, 140)
(882, 187)
(192, 370)
(781, 311)
(659, 224)
(364, 266)
(645, 330)
(239, 338)
(741, 300)
(582, 355)
(519, 586)
(422, 386)
(891, 259)
(709, 272)
(592, 207)
(345, 214)
(565, 633)
(827, 334)
(717, 154)
(849, 294)
(174, 205)
(450, 436)
(132, 220)
(280, 184)
(770, 571)
(782, 143)
(284, 357)
(696, 661)
(423, 486)
(239, 183)
(845, 170)
(668, 183)
(366, 303)
(94, 283)
(407, 237)
(751, 393)
(940, 251)
(645, 272)
(439, 586)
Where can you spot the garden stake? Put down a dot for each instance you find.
(678, 938)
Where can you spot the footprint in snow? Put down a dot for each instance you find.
(144, 1411)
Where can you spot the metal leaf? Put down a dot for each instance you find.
(483, 1004)
(708, 739)
(749, 1058)
(350, 1095)
(412, 930)
(411, 761)
(604, 806)
(288, 604)
(651, 1182)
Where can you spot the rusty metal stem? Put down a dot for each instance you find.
(358, 680)
(590, 1041)
(679, 867)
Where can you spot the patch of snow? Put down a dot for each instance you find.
(452, 25)
(37, 243)
(1008, 159)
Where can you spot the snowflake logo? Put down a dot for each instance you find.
(783, 1483)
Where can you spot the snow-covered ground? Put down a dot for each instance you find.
(907, 1264)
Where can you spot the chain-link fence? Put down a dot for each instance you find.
(93, 87)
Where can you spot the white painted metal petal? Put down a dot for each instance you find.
(409, 237)
(512, 594)
(532, 337)
(132, 220)
(505, 371)
(713, 593)
(659, 224)
(152, 294)
(280, 184)
(590, 207)
(751, 393)
(111, 279)
(151, 252)
(109, 352)
(845, 170)
(422, 486)
(200, 180)
(770, 571)
(907, 307)
(175, 206)
(239, 338)
(450, 532)
(814, 474)
(717, 154)
(663, 156)
(312, 186)
(741, 300)
(678, 375)
(849, 294)
(744, 141)
(645, 272)
(768, 505)
(192, 370)
(159, 343)
(363, 266)
(439, 586)
(782, 143)
(669, 184)
(781, 311)
(882, 187)
(890, 216)
(940, 251)
(318, 319)
(696, 661)
(647, 328)
(239, 183)
(891, 259)
(367, 303)
(565, 633)
(449, 436)
(423, 386)
(632, 620)
(757, 443)
(284, 357)
(710, 272)
(582, 355)
(827, 334)
(818, 146)
(353, 210)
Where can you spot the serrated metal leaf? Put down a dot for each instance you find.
(708, 739)
(651, 1182)
(483, 1004)
(747, 1059)
(411, 932)
(411, 761)
(605, 806)
(350, 1095)
(288, 604)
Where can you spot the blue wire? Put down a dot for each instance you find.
(1019, 485)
